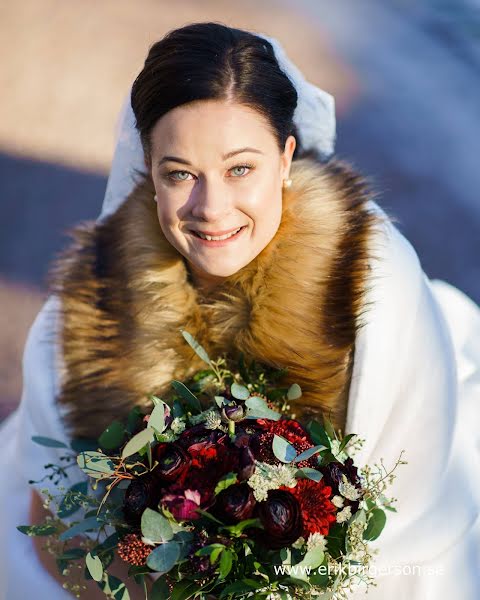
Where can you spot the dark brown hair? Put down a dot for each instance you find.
(205, 61)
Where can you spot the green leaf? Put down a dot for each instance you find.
(309, 473)
(83, 445)
(95, 464)
(294, 392)
(313, 558)
(237, 529)
(113, 436)
(241, 587)
(329, 428)
(214, 554)
(318, 434)
(88, 524)
(259, 409)
(219, 401)
(73, 554)
(345, 441)
(309, 453)
(207, 550)
(94, 566)
(336, 539)
(155, 526)
(138, 442)
(133, 419)
(283, 450)
(37, 530)
(192, 401)
(375, 525)
(72, 500)
(113, 587)
(240, 392)
(49, 442)
(199, 350)
(183, 590)
(225, 482)
(160, 590)
(226, 562)
(164, 557)
(157, 418)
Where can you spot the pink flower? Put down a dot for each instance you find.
(183, 506)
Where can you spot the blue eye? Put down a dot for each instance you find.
(245, 168)
(173, 173)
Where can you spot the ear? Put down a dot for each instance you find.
(287, 155)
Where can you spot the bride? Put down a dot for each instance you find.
(226, 214)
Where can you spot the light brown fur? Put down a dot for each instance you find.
(126, 293)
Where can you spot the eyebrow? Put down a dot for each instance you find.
(224, 157)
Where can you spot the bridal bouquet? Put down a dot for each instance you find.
(221, 493)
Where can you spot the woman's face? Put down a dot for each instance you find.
(218, 172)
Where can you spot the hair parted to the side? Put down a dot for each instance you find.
(211, 61)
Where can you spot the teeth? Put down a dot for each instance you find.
(217, 237)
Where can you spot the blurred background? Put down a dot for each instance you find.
(405, 76)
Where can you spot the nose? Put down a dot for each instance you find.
(211, 201)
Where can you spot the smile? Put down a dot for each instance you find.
(210, 239)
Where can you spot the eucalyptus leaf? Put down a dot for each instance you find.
(192, 401)
(219, 401)
(294, 392)
(240, 392)
(157, 418)
(88, 524)
(114, 587)
(155, 526)
(283, 450)
(72, 500)
(309, 473)
(164, 557)
(95, 464)
(49, 442)
(257, 408)
(94, 566)
(37, 530)
(138, 442)
(199, 350)
(309, 453)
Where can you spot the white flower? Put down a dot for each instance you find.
(348, 490)
(335, 447)
(177, 425)
(299, 543)
(316, 540)
(344, 515)
(270, 477)
(338, 501)
(212, 419)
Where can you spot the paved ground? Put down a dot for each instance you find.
(407, 96)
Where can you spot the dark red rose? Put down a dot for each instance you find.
(235, 504)
(142, 493)
(183, 506)
(281, 518)
(173, 461)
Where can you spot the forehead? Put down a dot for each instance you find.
(224, 124)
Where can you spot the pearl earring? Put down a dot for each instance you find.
(286, 183)
(155, 199)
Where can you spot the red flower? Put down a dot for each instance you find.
(290, 430)
(317, 509)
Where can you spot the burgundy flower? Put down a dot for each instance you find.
(173, 461)
(235, 504)
(281, 518)
(318, 512)
(142, 493)
(183, 506)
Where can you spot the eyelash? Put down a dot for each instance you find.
(244, 165)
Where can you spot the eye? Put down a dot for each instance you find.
(241, 170)
(182, 175)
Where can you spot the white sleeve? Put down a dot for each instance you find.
(404, 395)
(39, 414)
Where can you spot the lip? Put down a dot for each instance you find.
(219, 243)
(217, 233)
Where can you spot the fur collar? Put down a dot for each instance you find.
(126, 293)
